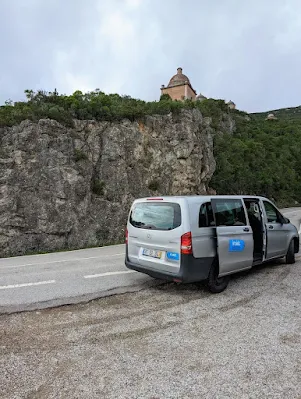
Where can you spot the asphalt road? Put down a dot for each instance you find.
(41, 281)
(165, 342)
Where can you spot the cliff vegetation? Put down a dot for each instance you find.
(261, 157)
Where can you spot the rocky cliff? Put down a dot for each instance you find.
(72, 187)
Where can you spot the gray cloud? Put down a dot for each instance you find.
(248, 52)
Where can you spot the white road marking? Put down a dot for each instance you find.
(109, 274)
(59, 261)
(6, 287)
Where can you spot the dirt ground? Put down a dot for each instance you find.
(170, 341)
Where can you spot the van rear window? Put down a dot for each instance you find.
(156, 216)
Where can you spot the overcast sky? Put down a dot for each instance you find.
(246, 51)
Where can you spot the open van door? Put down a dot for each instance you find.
(234, 236)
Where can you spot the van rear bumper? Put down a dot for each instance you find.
(152, 272)
(191, 270)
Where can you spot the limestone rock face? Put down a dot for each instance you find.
(63, 188)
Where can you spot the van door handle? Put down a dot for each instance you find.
(246, 229)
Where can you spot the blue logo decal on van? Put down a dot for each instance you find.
(236, 245)
(173, 255)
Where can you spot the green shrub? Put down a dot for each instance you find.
(154, 185)
(165, 97)
(79, 155)
(98, 187)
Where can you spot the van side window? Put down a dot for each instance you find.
(272, 213)
(230, 213)
(206, 218)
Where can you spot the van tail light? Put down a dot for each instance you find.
(126, 236)
(186, 243)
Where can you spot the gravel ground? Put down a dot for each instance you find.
(170, 341)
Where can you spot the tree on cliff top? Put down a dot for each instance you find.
(94, 105)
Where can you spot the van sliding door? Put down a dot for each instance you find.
(234, 236)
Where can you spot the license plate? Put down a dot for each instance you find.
(152, 253)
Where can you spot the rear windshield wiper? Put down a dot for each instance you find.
(138, 224)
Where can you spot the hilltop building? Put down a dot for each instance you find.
(270, 117)
(180, 88)
(231, 104)
(200, 97)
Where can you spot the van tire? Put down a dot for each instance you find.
(215, 284)
(290, 255)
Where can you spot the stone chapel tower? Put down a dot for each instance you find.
(179, 87)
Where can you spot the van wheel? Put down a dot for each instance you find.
(214, 283)
(290, 255)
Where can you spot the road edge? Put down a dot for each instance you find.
(77, 300)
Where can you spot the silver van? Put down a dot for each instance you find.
(206, 238)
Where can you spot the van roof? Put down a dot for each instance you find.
(193, 198)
